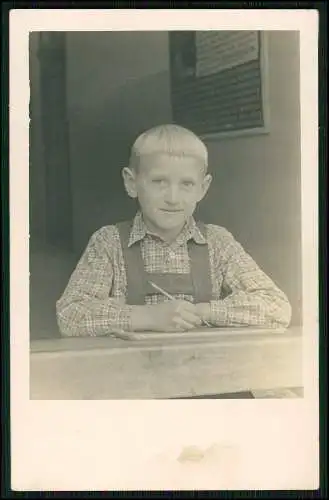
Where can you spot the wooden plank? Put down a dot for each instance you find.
(279, 393)
(152, 338)
(147, 370)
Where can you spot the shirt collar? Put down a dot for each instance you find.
(190, 231)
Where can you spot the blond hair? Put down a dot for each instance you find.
(172, 140)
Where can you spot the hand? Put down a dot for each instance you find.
(171, 316)
(203, 310)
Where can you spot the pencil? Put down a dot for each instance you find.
(163, 292)
(170, 297)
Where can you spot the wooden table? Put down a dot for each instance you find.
(223, 361)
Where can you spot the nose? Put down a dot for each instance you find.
(172, 195)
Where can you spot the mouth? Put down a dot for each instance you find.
(169, 211)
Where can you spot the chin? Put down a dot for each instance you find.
(169, 227)
(175, 222)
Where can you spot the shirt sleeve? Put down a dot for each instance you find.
(252, 297)
(85, 308)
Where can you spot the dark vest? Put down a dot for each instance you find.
(197, 283)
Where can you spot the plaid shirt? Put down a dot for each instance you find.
(94, 302)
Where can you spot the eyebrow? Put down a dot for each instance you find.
(164, 175)
(188, 179)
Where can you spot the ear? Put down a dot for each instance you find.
(129, 179)
(205, 186)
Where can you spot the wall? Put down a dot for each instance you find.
(37, 164)
(118, 85)
(50, 258)
(257, 188)
(50, 186)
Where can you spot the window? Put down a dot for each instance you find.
(219, 81)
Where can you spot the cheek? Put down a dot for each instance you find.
(191, 205)
(147, 196)
(192, 197)
(198, 195)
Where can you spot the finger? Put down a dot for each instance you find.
(191, 317)
(184, 305)
(182, 324)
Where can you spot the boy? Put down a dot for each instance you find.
(207, 273)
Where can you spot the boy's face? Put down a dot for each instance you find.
(168, 190)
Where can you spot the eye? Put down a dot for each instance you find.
(188, 184)
(158, 181)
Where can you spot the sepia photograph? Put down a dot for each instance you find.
(164, 286)
(182, 278)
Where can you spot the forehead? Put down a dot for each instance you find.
(171, 165)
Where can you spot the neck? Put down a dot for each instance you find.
(167, 236)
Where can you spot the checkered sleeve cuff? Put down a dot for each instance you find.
(218, 313)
